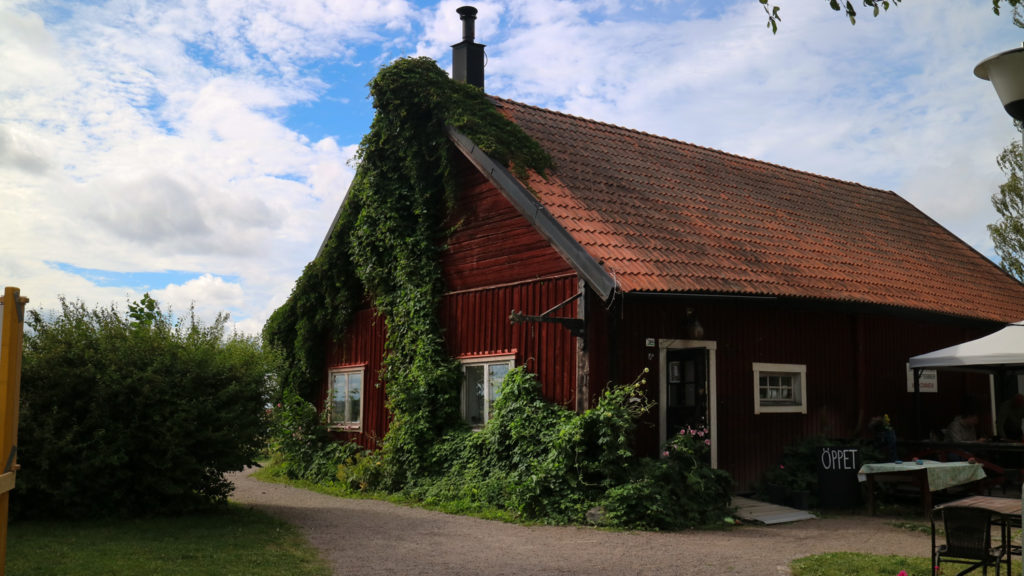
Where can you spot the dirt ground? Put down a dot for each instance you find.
(368, 537)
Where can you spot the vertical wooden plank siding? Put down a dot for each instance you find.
(492, 244)
(477, 324)
(363, 346)
(838, 355)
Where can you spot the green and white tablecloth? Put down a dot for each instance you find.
(941, 475)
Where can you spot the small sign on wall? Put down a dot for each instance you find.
(929, 380)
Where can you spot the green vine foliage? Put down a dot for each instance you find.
(386, 249)
(537, 461)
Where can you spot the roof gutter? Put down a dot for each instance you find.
(700, 295)
(537, 215)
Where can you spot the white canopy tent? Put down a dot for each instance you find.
(1002, 351)
(998, 354)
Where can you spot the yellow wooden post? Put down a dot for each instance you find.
(12, 319)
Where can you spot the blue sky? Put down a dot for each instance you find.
(198, 149)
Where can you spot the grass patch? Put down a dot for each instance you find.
(857, 564)
(236, 541)
(271, 472)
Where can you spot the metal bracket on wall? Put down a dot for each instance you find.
(577, 326)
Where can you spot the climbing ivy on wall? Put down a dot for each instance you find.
(387, 246)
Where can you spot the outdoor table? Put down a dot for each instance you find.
(928, 475)
(1007, 512)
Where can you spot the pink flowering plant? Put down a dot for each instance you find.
(690, 443)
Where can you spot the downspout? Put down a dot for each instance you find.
(917, 403)
(582, 353)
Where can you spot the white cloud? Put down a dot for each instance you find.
(209, 294)
(890, 102)
(149, 136)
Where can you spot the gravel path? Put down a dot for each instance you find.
(367, 537)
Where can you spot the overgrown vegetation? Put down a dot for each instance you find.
(386, 248)
(534, 459)
(300, 445)
(134, 414)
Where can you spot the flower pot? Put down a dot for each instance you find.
(799, 499)
(776, 494)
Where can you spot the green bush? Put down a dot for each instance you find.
(134, 414)
(541, 462)
(679, 490)
(300, 444)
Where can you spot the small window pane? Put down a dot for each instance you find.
(346, 397)
(355, 390)
(495, 376)
(339, 395)
(473, 395)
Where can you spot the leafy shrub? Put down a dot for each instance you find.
(680, 490)
(134, 414)
(300, 444)
(541, 462)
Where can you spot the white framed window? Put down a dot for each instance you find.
(780, 388)
(345, 399)
(481, 386)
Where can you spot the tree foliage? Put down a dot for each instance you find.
(1008, 233)
(134, 414)
(879, 6)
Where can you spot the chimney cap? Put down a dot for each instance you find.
(466, 12)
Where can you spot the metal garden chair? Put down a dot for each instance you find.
(968, 540)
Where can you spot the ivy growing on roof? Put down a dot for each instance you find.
(386, 249)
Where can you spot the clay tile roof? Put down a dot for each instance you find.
(667, 216)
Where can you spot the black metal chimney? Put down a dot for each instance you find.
(468, 56)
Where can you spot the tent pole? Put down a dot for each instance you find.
(917, 404)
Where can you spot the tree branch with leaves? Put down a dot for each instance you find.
(879, 6)
(1008, 233)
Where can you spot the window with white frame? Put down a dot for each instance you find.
(345, 400)
(780, 388)
(481, 386)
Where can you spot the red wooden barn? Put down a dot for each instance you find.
(768, 304)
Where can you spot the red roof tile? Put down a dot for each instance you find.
(667, 216)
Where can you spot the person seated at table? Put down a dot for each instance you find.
(963, 428)
(1010, 415)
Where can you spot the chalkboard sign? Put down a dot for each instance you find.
(837, 477)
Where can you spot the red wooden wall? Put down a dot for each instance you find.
(856, 369)
(363, 345)
(855, 356)
(493, 244)
(495, 263)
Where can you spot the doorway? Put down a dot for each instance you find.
(687, 393)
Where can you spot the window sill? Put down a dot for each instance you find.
(785, 409)
(344, 428)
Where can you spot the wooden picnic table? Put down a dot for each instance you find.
(928, 475)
